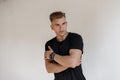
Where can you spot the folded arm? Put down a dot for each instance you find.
(54, 67)
(71, 60)
(64, 62)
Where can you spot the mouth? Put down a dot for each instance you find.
(61, 31)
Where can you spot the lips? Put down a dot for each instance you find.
(61, 31)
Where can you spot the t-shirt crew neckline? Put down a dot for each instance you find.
(63, 40)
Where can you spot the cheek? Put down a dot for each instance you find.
(55, 29)
(65, 27)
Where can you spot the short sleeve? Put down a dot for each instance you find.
(46, 46)
(76, 42)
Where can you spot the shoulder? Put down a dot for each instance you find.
(75, 35)
(76, 41)
(75, 38)
(50, 41)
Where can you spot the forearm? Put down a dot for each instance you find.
(72, 60)
(54, 67)
(68, 61)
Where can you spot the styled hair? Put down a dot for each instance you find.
(56, 15)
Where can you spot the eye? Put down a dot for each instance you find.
(56, 24)
(64, 23)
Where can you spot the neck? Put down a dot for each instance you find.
(61, 38)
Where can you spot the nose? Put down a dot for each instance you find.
(61, 28)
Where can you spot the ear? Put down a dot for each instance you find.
(51, 26)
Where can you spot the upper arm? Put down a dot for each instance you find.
(76, 47)
(76, 42)
(75, 54)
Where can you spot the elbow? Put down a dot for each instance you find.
(74, 64)
(48, 71)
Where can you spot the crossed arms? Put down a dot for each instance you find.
(64, 62)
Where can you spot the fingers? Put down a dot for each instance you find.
(80, 62)
(46, 55)
(50, 48)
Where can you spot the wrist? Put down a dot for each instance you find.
(52, 55)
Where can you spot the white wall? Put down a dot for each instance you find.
(24, 29)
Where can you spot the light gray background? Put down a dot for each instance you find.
(24, 29)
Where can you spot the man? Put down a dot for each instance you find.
(63, 53)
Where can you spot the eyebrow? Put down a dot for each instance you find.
(59, 24)
(64, 22)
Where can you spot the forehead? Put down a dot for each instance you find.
(59, 20)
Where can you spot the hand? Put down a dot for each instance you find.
(47, 53)
(77, 64)
(80, 62)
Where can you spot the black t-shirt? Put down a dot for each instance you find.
(72, 41)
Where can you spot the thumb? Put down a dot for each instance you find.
(50, 48)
